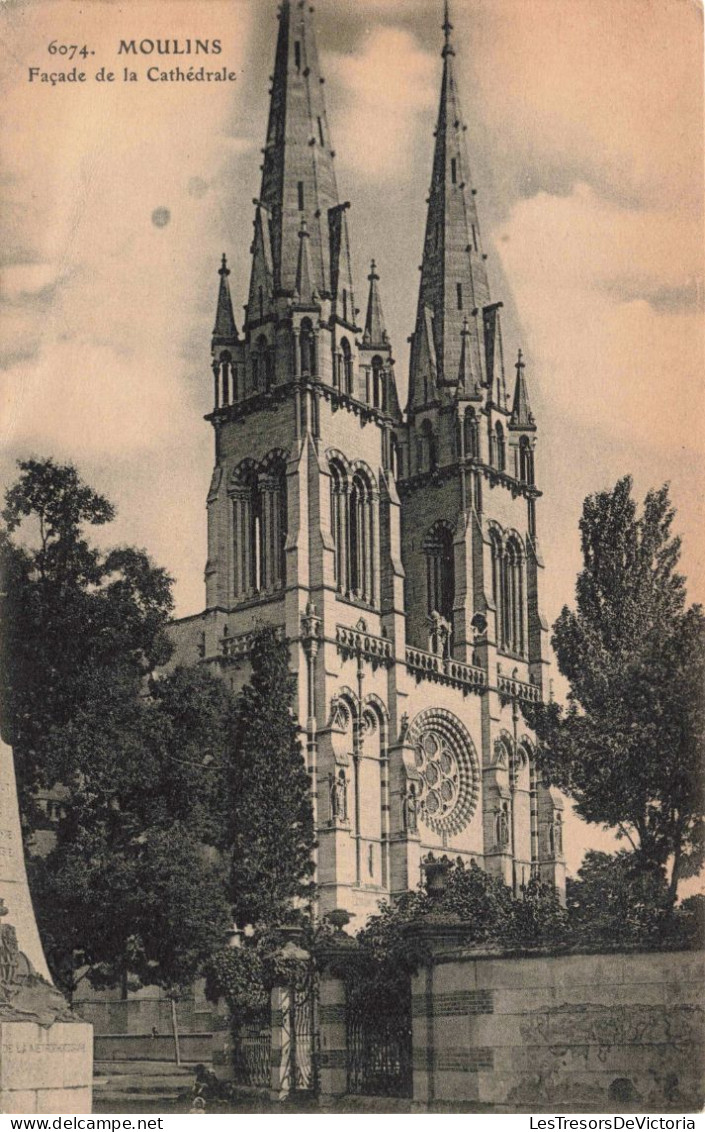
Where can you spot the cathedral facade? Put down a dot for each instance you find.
(396, 551)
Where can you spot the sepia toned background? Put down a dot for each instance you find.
(585, 136)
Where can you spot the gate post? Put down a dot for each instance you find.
(333, 958)
(283, 1005)
(438, 933)
(280, 1057)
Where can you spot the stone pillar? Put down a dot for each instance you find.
(47, 1052)
(438, 936)
(332, 1073)
(280, 1057)
(333, 1051)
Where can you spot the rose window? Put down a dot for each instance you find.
(447, 768)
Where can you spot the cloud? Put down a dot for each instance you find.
(611, 90)
(385, 94)
(605, 296)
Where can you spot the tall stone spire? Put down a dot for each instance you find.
(225, 330)
(454, 283)
(298, 178)
(521, 417)
(375, 330)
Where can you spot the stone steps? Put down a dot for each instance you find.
(149, 1083)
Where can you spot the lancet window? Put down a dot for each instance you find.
(471, 434)
(509, 592)
(259, 528)
(526, 461)
(440, 570)
(379, 384)
(500, 454)
(346, 383)
(353, 523)
(307, 344)
(427, 450)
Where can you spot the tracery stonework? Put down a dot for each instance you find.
(449, 776)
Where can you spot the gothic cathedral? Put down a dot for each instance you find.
(396, 552)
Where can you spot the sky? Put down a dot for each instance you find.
(585, 136)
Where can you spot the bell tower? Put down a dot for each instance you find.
(468, 491)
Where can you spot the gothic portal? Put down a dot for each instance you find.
(396, 551)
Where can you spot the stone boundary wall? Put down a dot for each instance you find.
(143, 1047)
(602, 1031)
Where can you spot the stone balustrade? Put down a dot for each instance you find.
(515, 689)
(446, 670)
(358, 642)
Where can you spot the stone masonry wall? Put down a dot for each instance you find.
(594, 1030)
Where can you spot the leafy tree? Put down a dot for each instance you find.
(615, 899)
(70, 613)
(629, 748)
(481, 906)
(135, 882)
(271, 832)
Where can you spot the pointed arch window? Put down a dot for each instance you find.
(338, 510)
(346, 352)
(526, 461)
(307, 345)
(440, 570)
(427, 449)
(259, 529)
(500, 451)
(379, 384)
(361, 539)
(471, 434)
(260, 364)
(509, 592)
(353, 525)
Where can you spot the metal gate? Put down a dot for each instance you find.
(379, 1047)
(252, 1052)
(299, 1026)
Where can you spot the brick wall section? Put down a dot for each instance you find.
(592, 1030)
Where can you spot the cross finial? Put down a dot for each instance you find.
(373, 271)
(520, 360)
(447, 29)
(224, 269)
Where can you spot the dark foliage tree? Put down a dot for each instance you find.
(271, 832)
(483, 909)
(629, 748)
(135, 882)
(70, 613)
(616, 899)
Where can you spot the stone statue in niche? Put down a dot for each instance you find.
(410, 810)
(555, 836)
(439, 635)
(502, 825)
(338, 797)
(404, 727)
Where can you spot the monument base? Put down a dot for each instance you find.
(46, 1069)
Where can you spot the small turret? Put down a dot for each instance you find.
(521, 417)
(225, 330)
(375, 331)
